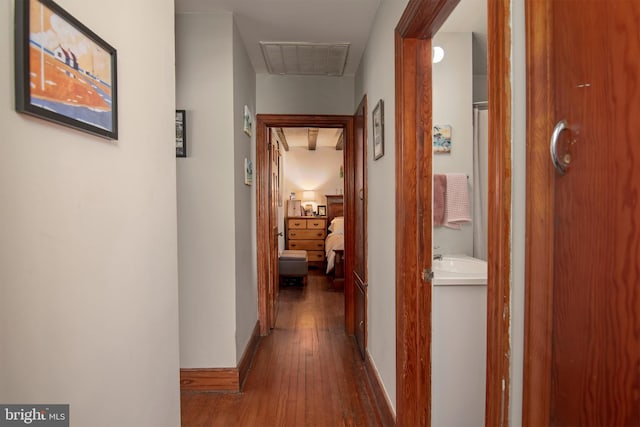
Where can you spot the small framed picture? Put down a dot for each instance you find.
(248, 121)
(322, 210)
(248, 171)
(441, 139)
(181, 133)
(378, 130)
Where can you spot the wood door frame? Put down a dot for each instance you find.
(540, 217)
(364, 281)
(420, 21)
(263, 123)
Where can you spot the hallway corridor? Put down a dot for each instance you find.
(306, 373)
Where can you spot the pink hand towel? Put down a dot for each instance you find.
(457, 210)
(439, 189)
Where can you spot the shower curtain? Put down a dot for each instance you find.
(480, 179)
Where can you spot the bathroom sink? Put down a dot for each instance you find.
(459, 270)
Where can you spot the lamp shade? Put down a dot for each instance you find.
(309, 196)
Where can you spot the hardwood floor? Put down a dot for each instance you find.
(306, 373)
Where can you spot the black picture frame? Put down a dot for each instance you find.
(181, 133)
(64, 73)
(377, 121)
(322, 210)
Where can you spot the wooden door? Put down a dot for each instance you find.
(360, 225)
(582, 354)
(274, 200)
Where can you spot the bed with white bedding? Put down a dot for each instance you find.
(334, 241)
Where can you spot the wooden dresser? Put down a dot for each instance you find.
(307, 233)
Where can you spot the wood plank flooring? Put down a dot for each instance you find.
(306, 373)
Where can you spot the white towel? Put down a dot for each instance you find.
(457, 210)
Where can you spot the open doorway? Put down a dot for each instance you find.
(414, 121)
(266, 198)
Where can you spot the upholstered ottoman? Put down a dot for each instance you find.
(293, 264)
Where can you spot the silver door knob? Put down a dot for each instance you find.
(561, 165)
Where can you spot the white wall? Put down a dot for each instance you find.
(206, 195)
(304, 94)
(317, 170)
(376, 79)
(480, 87)
(277, 94)
(88, 273)
(453, 105)
(244, 93)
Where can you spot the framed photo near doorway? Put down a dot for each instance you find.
(378, 130)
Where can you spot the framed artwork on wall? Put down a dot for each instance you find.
(64, 72)
(247, 121)
(441, 139)
(378, 130)
(181, 133)
(248, 172)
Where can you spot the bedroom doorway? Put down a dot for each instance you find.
(267, 255)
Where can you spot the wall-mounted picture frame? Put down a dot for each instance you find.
(247, 121)
(64, 72)
(322, 210)
(181, 133)
(441, 139)
(377, 119)
(248, 172)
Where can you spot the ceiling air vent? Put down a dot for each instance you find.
(307, 59)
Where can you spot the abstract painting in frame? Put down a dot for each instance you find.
(65, 73)
(247, 121)
(378, 130)
(181, 133)
(248, 171)
(441, 139)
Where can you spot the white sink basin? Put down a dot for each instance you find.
(459, 270)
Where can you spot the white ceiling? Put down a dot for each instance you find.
(326, 21)
(312, 21)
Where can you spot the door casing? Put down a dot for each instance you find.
(263, 123)
(419, 23)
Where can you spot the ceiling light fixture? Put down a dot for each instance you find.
(438, 54)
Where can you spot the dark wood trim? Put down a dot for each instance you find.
(413, 238)
(406, 268)
(421, 19)
(248, 354)
(263, 123)
(210, 379)
(362, 282)
(222, 379)
(350, 195)
(499, 214)
(263, 231)
(539, 226)
(381, 399)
